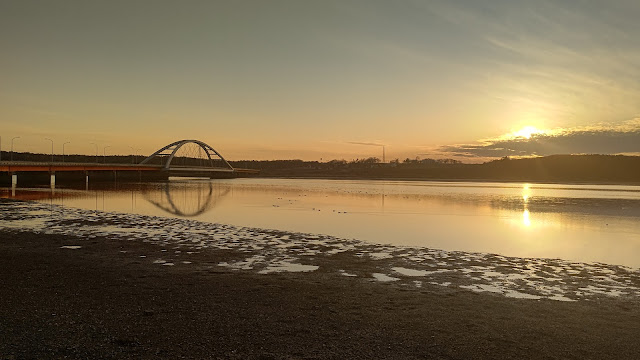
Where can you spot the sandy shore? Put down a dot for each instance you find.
(82, 284)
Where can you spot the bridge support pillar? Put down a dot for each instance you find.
(14, 183)
(52, 179)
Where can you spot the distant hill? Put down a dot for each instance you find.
(555, 168)
(589, 168)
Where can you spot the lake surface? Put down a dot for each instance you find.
(586, 223)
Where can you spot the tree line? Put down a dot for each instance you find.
(555, 168)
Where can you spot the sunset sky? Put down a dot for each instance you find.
(319, 79)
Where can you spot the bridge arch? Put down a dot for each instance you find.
(170, 151)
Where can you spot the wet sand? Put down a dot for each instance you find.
(67, 295)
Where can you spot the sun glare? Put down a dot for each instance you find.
(527, 132)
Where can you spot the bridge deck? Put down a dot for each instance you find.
(25, 166)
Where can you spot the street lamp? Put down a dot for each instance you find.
(132, 151)
(383, 146)
(383, 155)
(68, 142)
(51, 148)
(104, 153)
(96, 145)
(17, 137)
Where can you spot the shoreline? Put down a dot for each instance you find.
(453, 180)
(523, 221)
(265, 251)
(78, 291)
(379, 178)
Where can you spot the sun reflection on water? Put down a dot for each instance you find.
(526, 219)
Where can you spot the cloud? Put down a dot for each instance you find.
(364, 143)
(595, 140)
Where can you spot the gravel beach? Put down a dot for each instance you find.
(79, 284)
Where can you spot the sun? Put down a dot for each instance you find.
(527, 132)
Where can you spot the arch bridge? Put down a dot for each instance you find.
(180, 158)
(194, 157)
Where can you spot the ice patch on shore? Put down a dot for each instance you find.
(344, 273)
(521, 295)
(482, 288)
(285, 266)
(380, 255)
(32, 223)
(246, 264)
(414, 272)
(410, 272)
(383, 278)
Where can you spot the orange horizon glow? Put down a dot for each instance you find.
(266, 80)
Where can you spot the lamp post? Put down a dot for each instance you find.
(17, 137)
(132, 151)
(68, 142)
(104, 153)
(51, 148)
(96, 145)
(383, 155)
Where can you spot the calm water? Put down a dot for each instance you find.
(591, 223)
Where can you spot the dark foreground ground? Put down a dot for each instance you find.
(98, 302)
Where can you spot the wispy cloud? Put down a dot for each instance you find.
(557, 61)
(600, 139)
(365, 143)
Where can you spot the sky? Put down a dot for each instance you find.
(301, 79)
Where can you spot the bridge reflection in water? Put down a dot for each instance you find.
(177, 198)
(186, 199)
